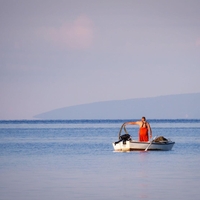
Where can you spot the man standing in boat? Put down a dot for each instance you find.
(145, 128)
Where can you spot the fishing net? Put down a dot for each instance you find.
(161, 139)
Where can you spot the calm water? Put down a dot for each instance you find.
(69, 160)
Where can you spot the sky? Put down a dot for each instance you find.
(60, 53)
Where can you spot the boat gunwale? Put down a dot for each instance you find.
(153, 143)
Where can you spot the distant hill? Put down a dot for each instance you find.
(179, 106)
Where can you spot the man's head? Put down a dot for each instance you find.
(143, 119)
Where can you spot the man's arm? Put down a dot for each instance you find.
(149, 129)
(132, 123)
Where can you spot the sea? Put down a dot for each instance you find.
(75, 160)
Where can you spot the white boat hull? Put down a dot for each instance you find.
(136, 145)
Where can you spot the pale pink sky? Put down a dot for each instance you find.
(77, 34)
(60, 53)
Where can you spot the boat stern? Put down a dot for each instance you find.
(122, 146)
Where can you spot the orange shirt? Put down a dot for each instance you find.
(143, 134)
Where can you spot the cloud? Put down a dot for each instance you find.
(198, 42)
(77, 34)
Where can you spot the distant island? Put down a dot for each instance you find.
(180, 106)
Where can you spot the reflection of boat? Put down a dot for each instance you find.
(125, 143)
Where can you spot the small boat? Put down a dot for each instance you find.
(125, 143)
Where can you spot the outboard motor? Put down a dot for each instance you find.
(124, 138)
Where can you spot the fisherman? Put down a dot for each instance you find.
(145, 129)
